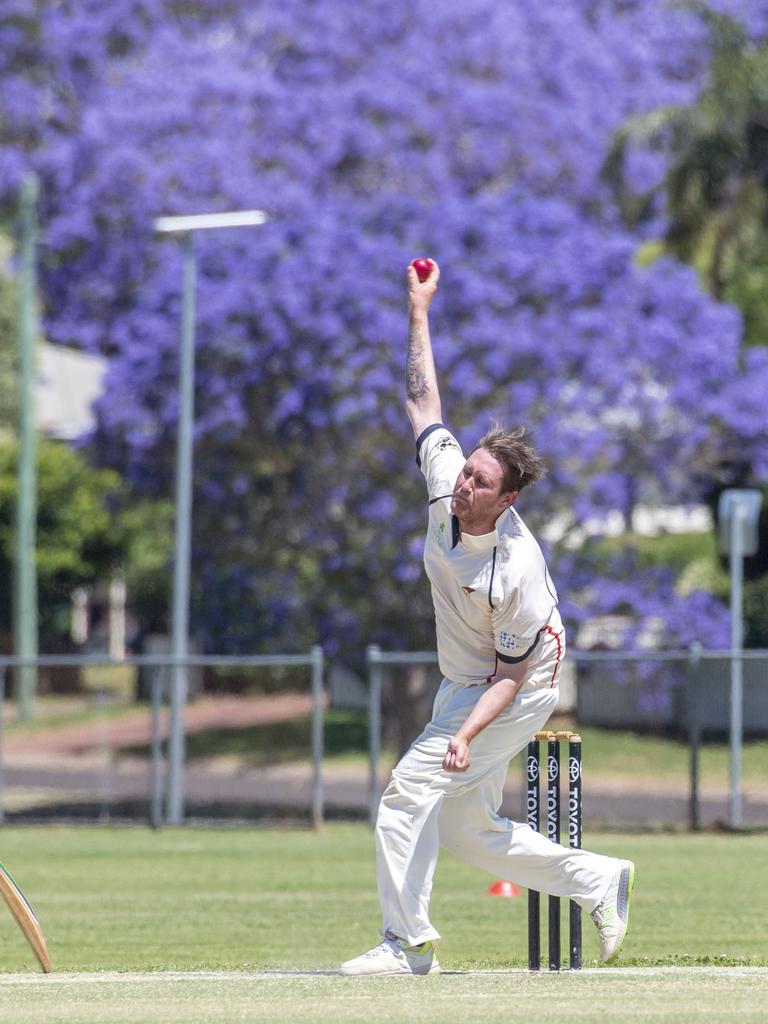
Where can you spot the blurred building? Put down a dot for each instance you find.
(68, 382)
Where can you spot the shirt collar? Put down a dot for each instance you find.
(480, 542)
(484, 541)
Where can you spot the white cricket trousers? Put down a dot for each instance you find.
(424, 807)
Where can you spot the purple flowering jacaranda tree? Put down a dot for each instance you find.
(472, 132)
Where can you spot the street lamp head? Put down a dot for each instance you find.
(743, 505)
(206, 221)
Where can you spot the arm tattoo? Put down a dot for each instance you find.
(415, 369)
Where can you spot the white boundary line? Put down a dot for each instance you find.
(110, 977)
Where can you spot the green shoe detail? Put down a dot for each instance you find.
(612, 915)
(419, 950)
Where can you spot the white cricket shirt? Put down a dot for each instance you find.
(493, 596)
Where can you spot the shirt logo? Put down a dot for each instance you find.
(508, 640)
(445, 442)
(468, 590)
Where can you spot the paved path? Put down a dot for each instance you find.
(133, 729)
(261, 791)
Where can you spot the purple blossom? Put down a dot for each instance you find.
(373, 133)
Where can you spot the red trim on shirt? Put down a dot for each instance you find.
(548, 629)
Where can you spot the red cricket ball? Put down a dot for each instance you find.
(423, 268)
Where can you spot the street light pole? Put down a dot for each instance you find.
(738, 516)
(736, 728)
(25, 567)
(182, 533)
(185, 227)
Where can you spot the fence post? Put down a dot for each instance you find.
(24, 581)
(317, 736)
(157, 682)
(2, 734)
(694, 735)
(373, 655)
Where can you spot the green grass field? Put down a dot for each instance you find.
(148, 910)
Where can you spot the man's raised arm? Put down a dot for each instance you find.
(422, 397)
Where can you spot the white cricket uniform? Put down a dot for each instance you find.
(494, 604)
(493, 596)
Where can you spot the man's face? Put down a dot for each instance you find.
(478, 499)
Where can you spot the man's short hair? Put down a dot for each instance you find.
(515, 454)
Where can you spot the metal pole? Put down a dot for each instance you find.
(186, 226)
(2, 732)
(317, 736)
(737, 639)
(180, 627)
(374, 729)
(106, 781)
(156, 752)
(694, 736)
(25, 575)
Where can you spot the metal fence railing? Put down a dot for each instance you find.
(243, 757)
(692, 693)
(167, 775)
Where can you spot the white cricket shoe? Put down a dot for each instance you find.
(394, 956)
(611, 915)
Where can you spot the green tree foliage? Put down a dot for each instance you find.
(715, 185)
(86, 526)
(756, 612)
(714, 191)
(8, 320)
(145, 528)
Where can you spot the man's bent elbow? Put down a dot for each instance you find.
(508, 688)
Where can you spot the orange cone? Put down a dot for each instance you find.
(503, 889)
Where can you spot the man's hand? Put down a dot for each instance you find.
(496, 696)
(420, 294)
(457, 756)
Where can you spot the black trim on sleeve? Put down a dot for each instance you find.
(422, 438)
(522, 657)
